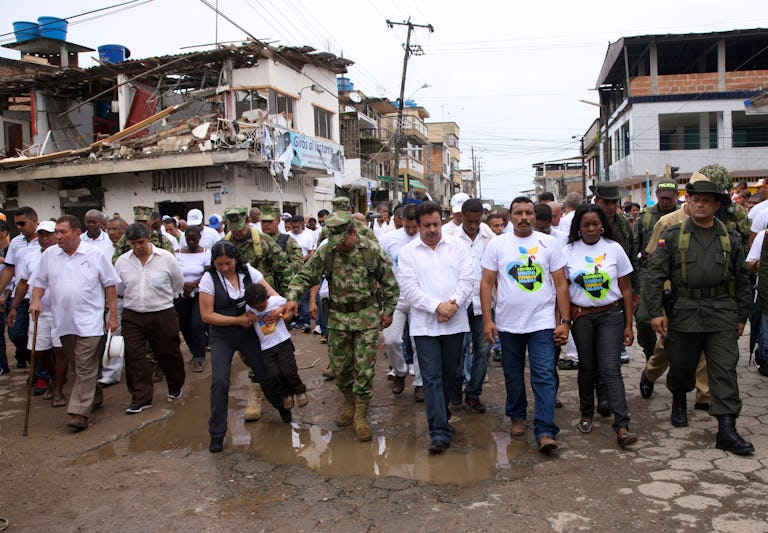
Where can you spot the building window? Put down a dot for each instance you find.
(625, 138)
(322, 123)
(279, 103)
(688, 131)
(749, 130)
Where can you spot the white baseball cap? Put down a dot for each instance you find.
(457, 200)
(487, 207)
(195, 217)
(47, 225)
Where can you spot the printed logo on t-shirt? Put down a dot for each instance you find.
(528, 275)
(592, 279)
(266, 329)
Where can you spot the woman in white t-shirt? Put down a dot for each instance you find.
(598, 273)
(222, 305)
(192, 259)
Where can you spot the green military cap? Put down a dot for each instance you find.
(142, 213)
(237, 217)
(340, 203)
(666, 188)
(338, 225)
(268, 213)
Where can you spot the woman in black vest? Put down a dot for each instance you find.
(222, 305)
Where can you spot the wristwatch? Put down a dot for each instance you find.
(567, 322)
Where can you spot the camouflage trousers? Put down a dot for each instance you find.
(353, 357)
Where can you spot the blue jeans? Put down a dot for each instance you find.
(481, 350)
(598, 338)
(438, 360)
(304, 310)
(541, 349)
(18, 333)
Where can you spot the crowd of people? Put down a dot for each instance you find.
(569, 285)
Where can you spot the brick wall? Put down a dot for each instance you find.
(706, 82)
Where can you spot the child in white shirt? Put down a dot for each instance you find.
(277, 349)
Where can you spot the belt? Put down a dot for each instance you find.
(705, 292)
(354, 306)
(577, 311)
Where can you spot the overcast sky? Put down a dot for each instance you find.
(510, 73)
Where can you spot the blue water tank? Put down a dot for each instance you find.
(344, 85)
(26, 31)
(53, 28)
(113, 53)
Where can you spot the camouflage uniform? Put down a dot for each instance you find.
(272, 261)
(734, 215)
(341, 204)
(354, 319)
(290, 246)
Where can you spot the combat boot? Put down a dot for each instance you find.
(679, 410)
(347, 413)
(728, 438)
(253, 409)
(362, 430)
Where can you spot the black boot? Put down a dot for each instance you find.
(728, 438)
(679, 410)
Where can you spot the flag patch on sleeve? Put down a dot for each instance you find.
(662, 242)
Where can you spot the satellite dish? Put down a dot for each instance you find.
(355, 97)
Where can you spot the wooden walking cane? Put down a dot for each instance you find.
(31, 379)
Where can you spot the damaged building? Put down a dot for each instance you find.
(237, 125)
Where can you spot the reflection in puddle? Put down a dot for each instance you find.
(480, 450)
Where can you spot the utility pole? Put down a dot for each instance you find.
(401, 102)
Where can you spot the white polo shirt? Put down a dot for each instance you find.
(428, 277)
(102, 242)
(76, 284)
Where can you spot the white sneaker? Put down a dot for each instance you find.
(410, 370)
(391, 374)
(317, 330)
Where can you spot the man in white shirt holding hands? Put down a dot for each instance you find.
(436, 276)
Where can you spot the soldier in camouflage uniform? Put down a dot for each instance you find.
(341, 205)
(666, 195)
(143, 215)
(257, 248)
(353, 266)
(263, 254)
(734, 215)
(269, 226)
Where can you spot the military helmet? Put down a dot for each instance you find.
(718, 175)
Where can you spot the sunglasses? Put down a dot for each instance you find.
(21, 223)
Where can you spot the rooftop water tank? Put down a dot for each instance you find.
(53, 28)
(25, 31)
(113, 53)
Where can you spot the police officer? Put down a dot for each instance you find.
(354, 267)
(704, 262)
(666, 196)
(143, 215)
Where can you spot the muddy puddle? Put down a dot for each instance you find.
(482, 448)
